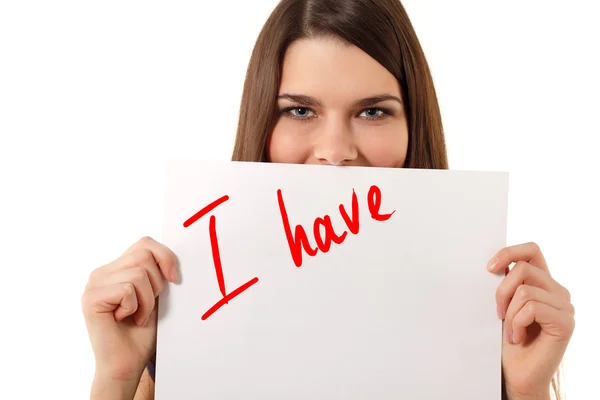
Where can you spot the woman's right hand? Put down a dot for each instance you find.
(119, 305)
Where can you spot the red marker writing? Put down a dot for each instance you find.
(298, 239)
(214, 244)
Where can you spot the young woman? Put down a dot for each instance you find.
(332, 82)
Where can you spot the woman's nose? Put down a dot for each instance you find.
(335, 144)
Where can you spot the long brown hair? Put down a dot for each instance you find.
(380, 28)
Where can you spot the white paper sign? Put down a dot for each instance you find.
(386, 297)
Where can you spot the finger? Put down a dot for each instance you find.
(140, 259)
(129, 303)
(556, 323)
(528, 252)
(143, 290)
(163, 256)
(522, 273)
(145, 252)
(119, 298)
(525, 294)
(140, 280)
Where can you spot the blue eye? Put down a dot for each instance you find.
(299, 112)
(372, 113)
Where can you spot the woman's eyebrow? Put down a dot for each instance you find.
(312, 102)
(369, 101)
(301, 99)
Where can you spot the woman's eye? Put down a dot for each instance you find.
(300, 112)
(372, 113)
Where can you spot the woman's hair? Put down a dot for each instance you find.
(380, 28)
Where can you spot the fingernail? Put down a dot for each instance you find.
(499, 311)
(492, 264)
(174, 275)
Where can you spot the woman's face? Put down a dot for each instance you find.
(337, 106)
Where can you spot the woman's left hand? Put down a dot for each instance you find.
(538, 321)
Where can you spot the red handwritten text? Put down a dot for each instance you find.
(374, 202)
(214, 244)
(298, 239)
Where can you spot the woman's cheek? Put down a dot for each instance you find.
(287, 147)
(385, 149)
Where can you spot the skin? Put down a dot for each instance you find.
(338, 130)
(321, 121)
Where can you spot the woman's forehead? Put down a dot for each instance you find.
(330, 68)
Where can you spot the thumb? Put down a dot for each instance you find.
(118, 298)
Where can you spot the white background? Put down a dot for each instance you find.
(94, 96)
